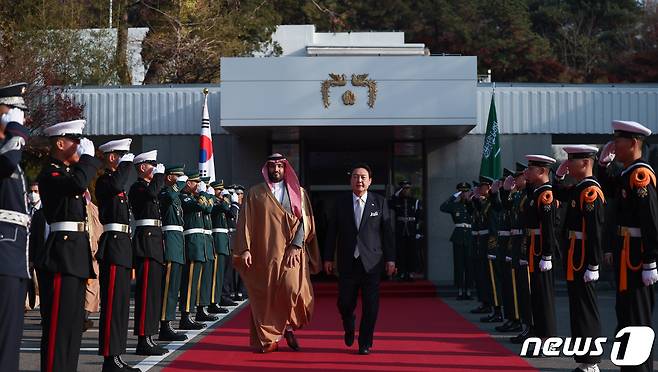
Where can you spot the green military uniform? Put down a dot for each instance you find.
(220, 211)
(195, 249)
(461, 239)
(207, 200)
(171, 211)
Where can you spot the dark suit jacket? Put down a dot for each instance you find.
(375, 236)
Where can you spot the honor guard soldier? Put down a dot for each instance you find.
(195, 248)
(504, 256)
(14, 222)
(518, 189)
(540, 216)
(584, 224)
(407, 215)
(233, 286)
(65, 263)
(207, 198)
(114, 253)
(220, 213)
(461, 239)
(636, 247)
(148, 250)
(476, 262)
(171, 211)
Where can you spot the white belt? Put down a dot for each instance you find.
(406, 219)
(633, 232)
(118, 227)
(504, 233)
(14, 217)
(68, 226)
(535, 231)
(464, 225)
(576, 234)
(172, 228)
(220, 230)
(148, 222)
(481, 232)
(231, 229)
(194, 231)
(516, 232)
(207, 232)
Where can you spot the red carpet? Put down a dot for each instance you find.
(413, 334)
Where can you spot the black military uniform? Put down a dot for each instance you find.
(14, 222)
(149, 257)
(636, 246)
(461, 239)
(233, 283)
(65, 263)
(540, 217)
(114, 256)
(407, 217)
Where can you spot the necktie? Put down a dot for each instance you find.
(358, 213)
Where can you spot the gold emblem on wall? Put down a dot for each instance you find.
(349, 98)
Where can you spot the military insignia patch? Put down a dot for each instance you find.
(532, 202)
(623, 193)
(589, 207)
(573, 204)
(547, 207)
(642, 192)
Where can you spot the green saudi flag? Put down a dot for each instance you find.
(490, 165)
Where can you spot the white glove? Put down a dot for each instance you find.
(129, 157)
(182, 178)
(491, 256)
(545, 264)
(234, 198)
(495, 187)
(562, 170)
(509, 183)
(607, 154)
(508, 259)
(86, 147)
(418, 236)
(210, 190)
(201, 187)
(159, 169)
(523, 263)
(649, 274)
(591, 275)
(456, 195)
(224, 193)
(13, 115)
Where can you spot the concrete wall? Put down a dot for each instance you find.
(449, 163)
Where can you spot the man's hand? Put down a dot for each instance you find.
(390, 268)
(509, 183)
(293, 256)
(495, 187)
(562, 170)
(607, 258)
(329, 267)
(607, 154)
(246, 259)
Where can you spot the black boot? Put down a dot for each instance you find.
(482, 309)
(167, 333)
(203, 316)
(216, 309)
(113, 364)
(187, 323)
(518, 339)
(155, 345)
(504, 327)
(144, 347)
(238, 297)
(516, 326)
(496, 317)
(227, 302)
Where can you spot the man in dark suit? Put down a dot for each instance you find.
(360, 235)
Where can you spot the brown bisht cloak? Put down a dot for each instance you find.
(279, 296)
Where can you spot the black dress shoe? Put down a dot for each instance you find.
(516, 326)
(227, 302)
(493, 318)
(216, 309)
(145, 348)
(203, 316)
(482, 309)
(349, 338)
(155, 345)
(186, 323)
(518, 339)
(115, 364)
(238, 297)
(364, 350)
(504, 327)
(167, 333)
(291, 340)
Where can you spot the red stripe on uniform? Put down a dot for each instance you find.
(54, 314)
(144, 288)
(108, 316)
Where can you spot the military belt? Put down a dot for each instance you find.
(516, 232)
(463, 225)
(406, 219)
(148, 222)
(231, 229)
(480, 232)
(533, 231)
(14, 217)
(504, 233)
(72, 226)
(633, 232)
(576, 234)
(193, 231)
(118, 227)
(172, 228)
(220, 230)
(207, 232)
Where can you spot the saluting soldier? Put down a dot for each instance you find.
(114, 253)
(171, 212)
(476, 257)
(540, 214)
(65, 263)
(149, 251)
(195, 247)
(207, 199)
(461, 238)
(221, 209)
(636, 247)
(14, 222)
(407, 216)
(584, 224)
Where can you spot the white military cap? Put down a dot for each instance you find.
(580, 151)
(627, 129)
(149, 156)
(539, 160)
(71, 128)
(116, 145)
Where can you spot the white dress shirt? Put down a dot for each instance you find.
(278, 189)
